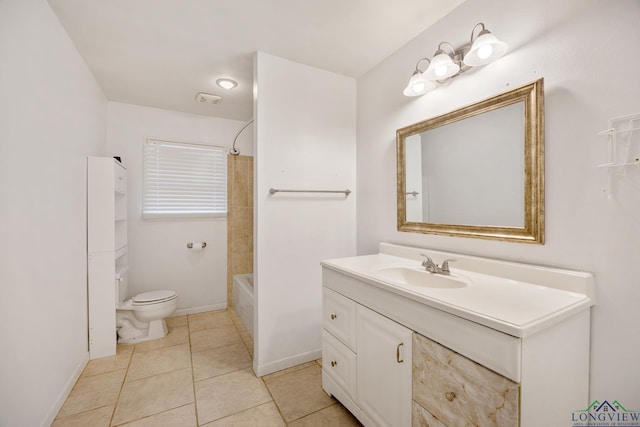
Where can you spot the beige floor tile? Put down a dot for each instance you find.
(288, 371)
(148, 363)
(266, 415)
(159, 386)
(237, 321)
(93, 392)
(212, 338)
(209, 320)
(241, 327)
(100, 417)
(185, 416)
(172, 322)
(176, 335)
(220, 360)
(152, 395)
(111, 363)
(249, 346)
(228, 394)
(299, 393)
(334, 416)
(234, 314)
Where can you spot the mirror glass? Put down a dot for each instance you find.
(477, 171)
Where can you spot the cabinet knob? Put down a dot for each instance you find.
(450, 396)
(334, 316)
(334, 363)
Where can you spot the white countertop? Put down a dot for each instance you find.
(513, 306)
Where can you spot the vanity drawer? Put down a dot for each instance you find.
(339, 317)
(460, 392)
(339, 363)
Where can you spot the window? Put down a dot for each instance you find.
(184, 180)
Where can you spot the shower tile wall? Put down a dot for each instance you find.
(239, 218)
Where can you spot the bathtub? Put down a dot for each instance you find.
(243, 299)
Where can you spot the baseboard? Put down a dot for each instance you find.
(51, 416)
(287, 362)
(201, 309)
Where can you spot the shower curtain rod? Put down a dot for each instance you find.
(234, 151)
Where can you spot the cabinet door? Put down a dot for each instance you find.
(383, 369)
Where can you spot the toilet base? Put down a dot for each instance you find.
(157, 329)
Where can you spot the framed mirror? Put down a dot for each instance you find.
(477, 171)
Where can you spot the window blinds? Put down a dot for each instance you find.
(184, 180)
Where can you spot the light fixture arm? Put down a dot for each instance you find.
(439, 51)
(418, 70)
(479, 24)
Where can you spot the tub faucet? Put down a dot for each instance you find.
(434, 268)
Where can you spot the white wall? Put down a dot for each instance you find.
(52, 116)
(305, 139)
(583, 51)
(157, 249)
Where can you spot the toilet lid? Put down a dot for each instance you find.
(153, 297)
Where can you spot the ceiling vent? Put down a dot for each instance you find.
(208, 98)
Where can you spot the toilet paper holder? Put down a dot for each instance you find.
(202, 245)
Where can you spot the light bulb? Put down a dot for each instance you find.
(441, 67)
(485, 51)
(440, 71)
(418, 85)
(226, 83)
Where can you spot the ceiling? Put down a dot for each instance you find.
(161, 53)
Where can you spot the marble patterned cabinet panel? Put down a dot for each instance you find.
(420, 417)
(454, 391)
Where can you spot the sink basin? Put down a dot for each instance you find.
(416, 276)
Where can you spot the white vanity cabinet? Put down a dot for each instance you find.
(366, 361)
(510, 349)
(383, 387)
(107, 249)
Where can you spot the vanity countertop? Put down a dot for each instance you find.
(507, 304)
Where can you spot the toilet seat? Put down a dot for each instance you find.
(153, 297)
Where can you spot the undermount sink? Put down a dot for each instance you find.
(419, 277)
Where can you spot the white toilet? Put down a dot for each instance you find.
(141, 318)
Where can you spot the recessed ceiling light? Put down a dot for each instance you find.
(226, 83)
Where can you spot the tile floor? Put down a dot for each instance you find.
(200, 374)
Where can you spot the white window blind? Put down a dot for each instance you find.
(184, 180)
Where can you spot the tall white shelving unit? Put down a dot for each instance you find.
(107, 249)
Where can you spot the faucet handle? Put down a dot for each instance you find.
(445, 265)
(428, 260)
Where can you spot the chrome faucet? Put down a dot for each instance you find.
(434, 268)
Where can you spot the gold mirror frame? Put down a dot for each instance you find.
(532, 95)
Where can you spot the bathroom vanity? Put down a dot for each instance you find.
(494, 343)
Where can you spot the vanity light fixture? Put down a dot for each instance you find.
(226, 83)
(482, 49)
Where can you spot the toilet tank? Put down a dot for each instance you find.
(122, 285)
